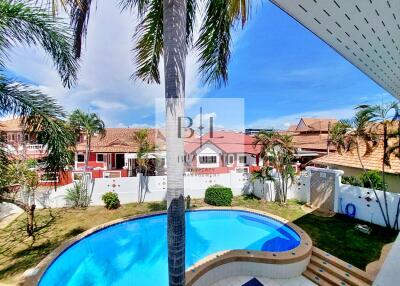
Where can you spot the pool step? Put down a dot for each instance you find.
(325, 269)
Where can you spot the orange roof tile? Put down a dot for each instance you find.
(372, 161)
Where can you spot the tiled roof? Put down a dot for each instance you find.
(11, 125)
(228, 141)
(121, 140)
(311, 141)
(315, 124)
(372, 161)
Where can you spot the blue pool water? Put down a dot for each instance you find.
(135, 252)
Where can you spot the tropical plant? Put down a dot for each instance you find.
(166, 28)
(77, 196)
(89, 125)
(23, 24)
(143, 160)
(278, 150)
(111, 200)
(366, 128)
(217, 195)
(22, 182)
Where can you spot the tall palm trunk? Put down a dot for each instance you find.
(174, 68)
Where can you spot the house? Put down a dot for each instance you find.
(349, 163)
(221, 152)
(18, 142)
(311, 138)
(114, 155)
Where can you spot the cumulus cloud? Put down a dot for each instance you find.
(104, 85)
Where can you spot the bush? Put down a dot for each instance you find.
(218, 196)
(76, 196)
(373, 177)
(352, 180)
(111, 200)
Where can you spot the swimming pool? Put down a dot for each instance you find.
(134, 252)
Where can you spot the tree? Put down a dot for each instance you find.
(278, 150)
(166, 28)
(347, 136)
(22, 24)
(143, 161)
(89, 125)
(23, 182)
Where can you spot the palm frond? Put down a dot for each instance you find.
(214, 41)
(149, 47)
(23, 24)
(40, 115)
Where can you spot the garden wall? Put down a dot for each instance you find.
(128, 188)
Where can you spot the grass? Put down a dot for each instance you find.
(335, 235)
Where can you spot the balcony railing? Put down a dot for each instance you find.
(35, 148)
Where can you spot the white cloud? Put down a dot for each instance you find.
(106, 66)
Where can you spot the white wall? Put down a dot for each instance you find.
(8, 209)
(128, 188)
(367, 210)
(389, 273)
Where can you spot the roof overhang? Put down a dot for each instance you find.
(366, 33)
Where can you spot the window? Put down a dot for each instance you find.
(81, 158)
(243, 159)
(79, 176)
(100, 157)
(208, 159)
(112, 174)
(229, 159)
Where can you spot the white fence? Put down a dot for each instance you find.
(128, 188)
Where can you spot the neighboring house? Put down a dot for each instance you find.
(311, 137)
(114, 155)
(350, 164)
(221, 152)
(19, 143)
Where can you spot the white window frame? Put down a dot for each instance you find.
(104, 157)
(228, 161)
(207, 163)
(77, 156)
(242, 170)
(238, 160)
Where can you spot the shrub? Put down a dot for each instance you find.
(76, 195)
(218, 196)
(373, 177)
(111, 200)
(352, 180)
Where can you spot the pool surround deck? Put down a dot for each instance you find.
(32, 276)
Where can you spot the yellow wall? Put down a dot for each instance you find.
(393, 181)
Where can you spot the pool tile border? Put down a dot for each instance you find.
(31, 277)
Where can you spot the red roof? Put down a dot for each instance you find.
(227, 141)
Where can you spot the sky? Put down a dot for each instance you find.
(279, 72)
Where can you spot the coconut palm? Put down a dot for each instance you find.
(381, 116)
(347, 135)
(22, 24)
(166, 28)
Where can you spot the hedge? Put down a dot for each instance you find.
(111, 200)
(218, 196)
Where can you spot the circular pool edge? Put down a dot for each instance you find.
(32, 276)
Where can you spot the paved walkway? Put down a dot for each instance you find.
(240, 280)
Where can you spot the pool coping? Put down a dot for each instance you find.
(32, 276)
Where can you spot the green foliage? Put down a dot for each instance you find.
(370, 179)
(78, 196)
(32, 163)
(111, 200)
(217, 195)
(352, 180)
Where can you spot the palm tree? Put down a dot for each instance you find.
(382, 115)
(144, 148)
(166, 28)
(347, 135)
(21, 24)
(277, 149)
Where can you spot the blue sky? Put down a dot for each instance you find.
(280, 69)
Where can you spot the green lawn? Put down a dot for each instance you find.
(335, 235)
